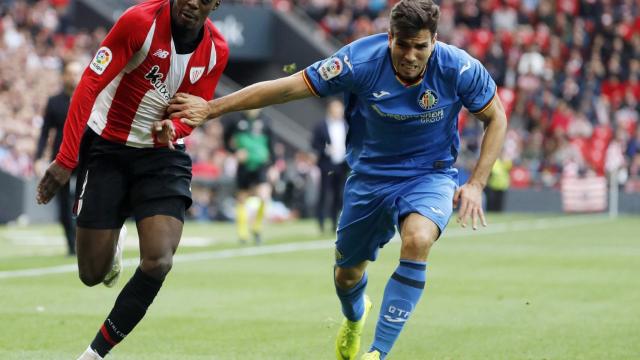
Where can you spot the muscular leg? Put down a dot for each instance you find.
(159, 238)
(350, 285)
(95, 253)
(406, 285)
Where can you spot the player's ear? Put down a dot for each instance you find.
(435, 37)
(390, 37)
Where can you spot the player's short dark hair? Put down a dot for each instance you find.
(408, 17)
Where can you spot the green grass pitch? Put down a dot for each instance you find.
(526, 287)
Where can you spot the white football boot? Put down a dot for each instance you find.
(116, 269)
(89, 354)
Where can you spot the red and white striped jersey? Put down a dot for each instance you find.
(134, 74)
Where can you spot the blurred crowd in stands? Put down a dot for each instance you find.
(568, 73)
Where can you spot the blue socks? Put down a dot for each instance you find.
(352, 300)
(400, 298)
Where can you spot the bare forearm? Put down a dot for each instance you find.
(260, 95)
(492, 142)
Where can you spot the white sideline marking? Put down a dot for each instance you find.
(515, 226)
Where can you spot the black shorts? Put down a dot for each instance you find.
(247, 179)
(116, 181)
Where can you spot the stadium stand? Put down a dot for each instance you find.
(568, 72)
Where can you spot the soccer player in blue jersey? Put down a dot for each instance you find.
(402, 93)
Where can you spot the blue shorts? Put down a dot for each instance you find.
(374, 206)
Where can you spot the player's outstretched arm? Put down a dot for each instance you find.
(194, 111)
(469, 196)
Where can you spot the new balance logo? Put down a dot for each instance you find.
(380, 94)
(465, 67)
(162, 54)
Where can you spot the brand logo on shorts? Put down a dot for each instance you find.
(101, 60)
(436, 210)
(78, 204)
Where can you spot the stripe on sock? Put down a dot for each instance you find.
(405, 280)
(107, 337)
(413, 264)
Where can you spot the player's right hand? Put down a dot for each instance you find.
(54, 178)
(191, 110)
(164, 132)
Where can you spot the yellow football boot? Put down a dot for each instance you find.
(374, 355)
(348, 340)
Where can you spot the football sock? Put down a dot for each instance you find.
(258, 220)
(352, 300)
(400, 298)
(128, 310)
(242, 221)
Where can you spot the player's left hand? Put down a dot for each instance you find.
(165, 132)
(191, 110)
(469, 199)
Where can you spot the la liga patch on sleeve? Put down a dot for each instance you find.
(101, 60)
(330, 68)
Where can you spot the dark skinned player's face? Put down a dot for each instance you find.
(191, 14)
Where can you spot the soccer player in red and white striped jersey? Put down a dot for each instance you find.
(155, 49)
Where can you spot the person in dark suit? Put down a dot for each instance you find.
(54, 117)
(329, 143)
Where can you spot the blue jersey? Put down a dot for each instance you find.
(397, 129)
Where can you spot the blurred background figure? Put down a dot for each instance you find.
(251, 142)
(498, 184)
(54, 117)
(329, 139)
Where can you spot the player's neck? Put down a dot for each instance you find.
(186, 40)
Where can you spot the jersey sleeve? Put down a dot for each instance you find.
(207, 88)
(475, 87)
(125, 38)
(332, 75)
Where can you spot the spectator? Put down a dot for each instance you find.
(329, 143)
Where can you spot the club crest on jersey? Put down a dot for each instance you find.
(196, 73)
(428, 99)
(155, 78)
(330, 68)
(101, 60)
